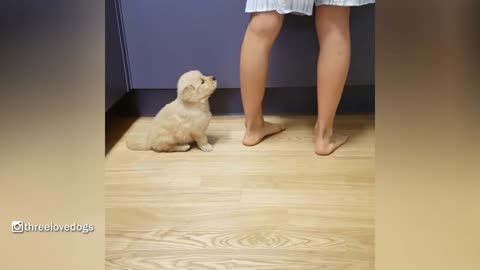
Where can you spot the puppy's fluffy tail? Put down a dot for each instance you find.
(138, 145)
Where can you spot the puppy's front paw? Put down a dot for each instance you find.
(206, 148)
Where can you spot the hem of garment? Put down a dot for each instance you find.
(295, 12)
(344, 3)
(324, 3)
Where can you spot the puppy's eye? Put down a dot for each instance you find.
(203, 81)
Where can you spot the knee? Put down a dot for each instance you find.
(266, 24)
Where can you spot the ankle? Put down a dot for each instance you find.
(254, 123)
(324, 133)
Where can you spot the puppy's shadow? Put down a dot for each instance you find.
(213, 139)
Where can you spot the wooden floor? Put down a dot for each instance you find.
(273, 206)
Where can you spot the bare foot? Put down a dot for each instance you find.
(254, 136)
(325, 146)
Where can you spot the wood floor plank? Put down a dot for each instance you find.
(227, 216)
(233, 260)
(331, 240)
(273, 206)
(325, 181)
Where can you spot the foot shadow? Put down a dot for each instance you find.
(358, 127)
(352, 127)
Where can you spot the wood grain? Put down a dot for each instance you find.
(273, 206)
(232, 259)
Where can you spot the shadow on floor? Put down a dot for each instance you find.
(353, 127)
(115, 127)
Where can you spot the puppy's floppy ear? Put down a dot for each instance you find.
(187, 93)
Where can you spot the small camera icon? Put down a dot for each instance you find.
(17, 226)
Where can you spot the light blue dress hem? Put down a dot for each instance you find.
(299, 7)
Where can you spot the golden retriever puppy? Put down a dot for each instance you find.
(183, 121)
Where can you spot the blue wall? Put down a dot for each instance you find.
(167, 37)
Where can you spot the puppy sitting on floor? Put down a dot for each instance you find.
(184, 120)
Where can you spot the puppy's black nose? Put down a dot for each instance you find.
(213, 78)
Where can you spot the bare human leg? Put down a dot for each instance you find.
(260, 35)
(333, 31)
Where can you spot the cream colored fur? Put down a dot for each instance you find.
(183, 121)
